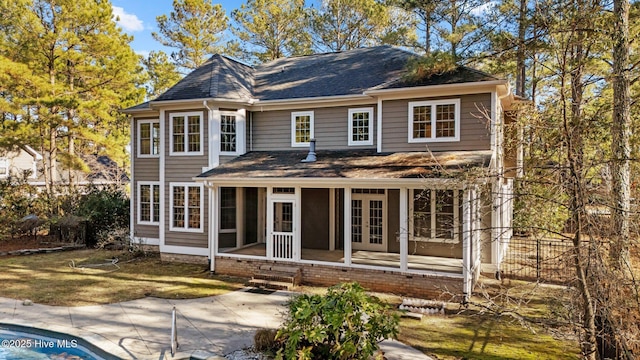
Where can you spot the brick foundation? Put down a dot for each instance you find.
(395, 282)
(191, 259)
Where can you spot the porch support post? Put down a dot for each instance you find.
(347, 226)
(269, 237)
(332, 219)
(297, 224)
(213, 221)
(239, 216)
(404, 228)
(466, 242)
(379, 126)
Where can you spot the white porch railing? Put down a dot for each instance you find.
(283, 245)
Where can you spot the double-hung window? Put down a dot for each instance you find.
(360, 126)
(301, 128)
(148, 138)
(435, 215)
(186, 133)
(228, 134)
(186, 207)
(148, 203)
(434, 121)
(4, 168)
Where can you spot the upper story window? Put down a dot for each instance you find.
(186, 207)
(4, 167)
(301, 128)
(360, 126)
(434, 121)
(148, 203)
(228, 134)
(186, 133)
(148, 138)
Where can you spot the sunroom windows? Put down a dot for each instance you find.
(434, 121)
(434, 215)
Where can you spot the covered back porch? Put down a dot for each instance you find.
(404, 226)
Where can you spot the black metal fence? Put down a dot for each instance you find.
(545, 260)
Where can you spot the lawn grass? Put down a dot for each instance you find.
(482, 338)
(74, 279)
(474, 333)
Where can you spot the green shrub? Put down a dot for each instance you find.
(346, 323)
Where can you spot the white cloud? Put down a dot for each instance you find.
(128, 22)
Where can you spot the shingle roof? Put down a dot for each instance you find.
(349, 164)
(331, 74)
(220, 78)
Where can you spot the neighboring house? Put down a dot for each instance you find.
(405, 193)
(26, 161)
(23, 161)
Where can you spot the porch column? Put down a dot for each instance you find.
(347, 226)
(404, 228)
(332, 219)
(466, 242)
(297, 224)
(269, 237)
(213, 222)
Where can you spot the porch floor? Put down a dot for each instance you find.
(362, 257)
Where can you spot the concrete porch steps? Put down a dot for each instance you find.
(276, 277)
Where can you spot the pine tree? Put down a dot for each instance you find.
(343, 25)
(195, 28)
(276, 28)
(162, 73)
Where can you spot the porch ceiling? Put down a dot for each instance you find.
(350, 164)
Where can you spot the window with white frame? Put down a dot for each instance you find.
(4, 167)
(434, 121)
(186, 133)
(301, 128)
(186, 207)
(148, 138)
(360, 126)
(148, 203)
(435, 215)
(228, 133)
(227, 208)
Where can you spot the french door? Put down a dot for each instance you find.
(368, 225)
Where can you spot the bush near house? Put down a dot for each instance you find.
(345, 323)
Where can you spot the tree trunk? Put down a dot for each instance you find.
(621, 132)
(520, 53)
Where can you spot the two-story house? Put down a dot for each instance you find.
(404, 191)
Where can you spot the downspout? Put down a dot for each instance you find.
(209, 192)
(250, 130)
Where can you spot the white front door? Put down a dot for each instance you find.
(282, 234)
(368, 225)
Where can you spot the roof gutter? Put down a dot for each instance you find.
(435, 88)
(335, 182)
(311, 100)
(198, 101)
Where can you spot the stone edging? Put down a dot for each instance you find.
(42, 250)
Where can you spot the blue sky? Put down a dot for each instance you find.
(138, 18)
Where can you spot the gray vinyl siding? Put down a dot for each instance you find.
(474, 132)
(183, 169)
(146, 231)
(144, 169)
(271, 130)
